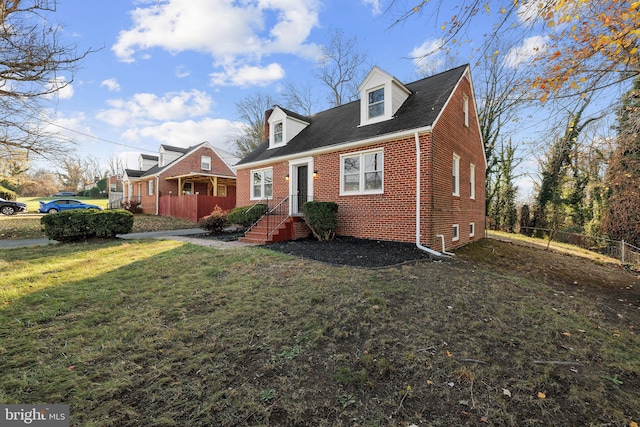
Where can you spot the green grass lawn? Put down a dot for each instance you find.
(163, 333)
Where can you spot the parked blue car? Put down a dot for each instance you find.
(64, 205)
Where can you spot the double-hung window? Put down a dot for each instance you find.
(150, 185)
(472, 174)
(277, 133)
(362, 173)
(261, 184)
(465, 110)
(456, 175)
(205, 163)
(376, 103)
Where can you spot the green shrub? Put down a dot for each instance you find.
(7, 194)
(215, 222)
(109, 223)
(321, 219)
(73, 225)
(247, 215)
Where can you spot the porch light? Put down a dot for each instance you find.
(286, 177)
(315, 174)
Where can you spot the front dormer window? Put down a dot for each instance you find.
(277, 133)
(381, 95)
(376, 103)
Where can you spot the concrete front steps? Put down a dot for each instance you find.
(290, 228)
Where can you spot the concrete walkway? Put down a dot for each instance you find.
(184, 235)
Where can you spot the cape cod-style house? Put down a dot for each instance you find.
(405, 162)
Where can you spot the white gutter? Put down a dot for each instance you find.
(418, 245)
(332, 148)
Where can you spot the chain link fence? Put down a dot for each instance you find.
(618, 249)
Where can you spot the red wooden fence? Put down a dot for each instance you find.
(192, 207)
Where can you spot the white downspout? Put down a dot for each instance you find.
(157, 195)
(418, 245)
(441, 236)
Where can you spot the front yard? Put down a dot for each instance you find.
(167, 333)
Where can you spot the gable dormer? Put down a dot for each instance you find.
(146, 162)
(381, 95)
(284, 125)
(168, 154)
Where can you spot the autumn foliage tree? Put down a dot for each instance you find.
(587, 44)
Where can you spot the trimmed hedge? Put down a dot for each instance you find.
(321, 219)
(7, 194)
(80, 224)
(245, 215)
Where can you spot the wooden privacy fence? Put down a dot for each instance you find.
(192, 207)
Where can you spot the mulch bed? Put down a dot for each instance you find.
(352, 252)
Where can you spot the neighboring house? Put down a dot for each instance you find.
(115, 191)
(367, 157)
(182, 182)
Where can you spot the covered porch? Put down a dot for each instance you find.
(194, 195)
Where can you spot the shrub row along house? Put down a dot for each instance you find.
(405, 162)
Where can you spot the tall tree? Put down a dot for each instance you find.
(622, 218)
(502, 210)
(341, 67)
(588, 44)
(34, 65)
(251, 112)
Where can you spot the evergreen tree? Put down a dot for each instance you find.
(622, 217)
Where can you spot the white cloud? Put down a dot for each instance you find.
(375, 6)
(528, 50)
(182, 72)
(228, 31)
(63, 89)
(187, 133)
(247, 75)
(111, 84)
(428, 57)
(148, 107)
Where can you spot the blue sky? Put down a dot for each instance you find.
(170, 71)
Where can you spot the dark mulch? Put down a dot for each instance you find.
(351, 251)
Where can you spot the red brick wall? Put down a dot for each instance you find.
(451, 136)
(392, 215)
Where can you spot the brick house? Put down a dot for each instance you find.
(182, 182)
(367, 156)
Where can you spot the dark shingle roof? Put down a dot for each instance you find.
(134, 173)
(340, 125)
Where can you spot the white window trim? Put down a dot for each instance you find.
(472, 179)
(262, 196)
(465, 110)
(456, 237)
(150, 187)
(205, 161)
(361, 172)
(472, 229)
(456, 174)
(273, 134)
(369, 117)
